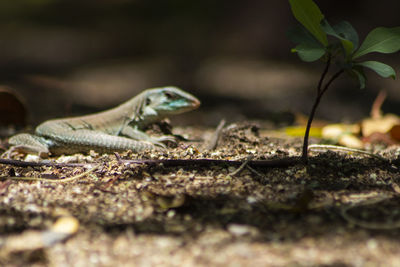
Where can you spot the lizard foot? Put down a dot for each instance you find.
(158, 141)
(166, 138)
(25, 149)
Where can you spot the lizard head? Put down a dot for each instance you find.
(161, 102)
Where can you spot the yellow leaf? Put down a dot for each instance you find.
(300, 131)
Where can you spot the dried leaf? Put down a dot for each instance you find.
(380, 125)
(350, 140)
(395, 132)
(343, 134)
(335, 131)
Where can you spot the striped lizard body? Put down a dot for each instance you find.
(117, 129)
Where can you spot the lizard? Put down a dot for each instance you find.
(116, 129)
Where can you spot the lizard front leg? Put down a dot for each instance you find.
(136, 134)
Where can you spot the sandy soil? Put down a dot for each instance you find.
(339, 210)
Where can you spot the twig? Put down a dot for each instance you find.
(216, 135)
(281, 162)
(376, 111)
(119, 159)
(20, 163)
(318, 147)
(255, 171)
(241, 167)
(53, 180)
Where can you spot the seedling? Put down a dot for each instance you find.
(316, 40)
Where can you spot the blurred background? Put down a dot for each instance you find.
(65, 57)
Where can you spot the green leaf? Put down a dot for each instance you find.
(358, 73)
(309, 53)
(309, 49)
(347, 45)
(326, 27)
(382, 69)
(382, 40)
(310, 16)
(345, 30)
(300, 35)
(345, 33)
(362, 79)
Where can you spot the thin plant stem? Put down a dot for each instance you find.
(310, 118)
(321, 80)
(334, 77)
(320, 93)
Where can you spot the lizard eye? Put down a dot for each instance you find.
(148, 101)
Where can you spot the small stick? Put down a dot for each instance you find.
(280, 162)
(241, 167)
(376, 111)
(118, 157)
(53, 180)
(213, 143)
(255, 171)
(317, 147)
(20, 163)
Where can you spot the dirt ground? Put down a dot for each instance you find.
(339, 210)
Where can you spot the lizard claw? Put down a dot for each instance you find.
(158, 141)
(165, 138)
(160, 145)
(25, 149)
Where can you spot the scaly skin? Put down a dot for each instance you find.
(117, 129)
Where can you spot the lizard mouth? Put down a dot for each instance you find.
(195, 103)
(184, 105)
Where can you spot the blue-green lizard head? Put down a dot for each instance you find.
(164, 101)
